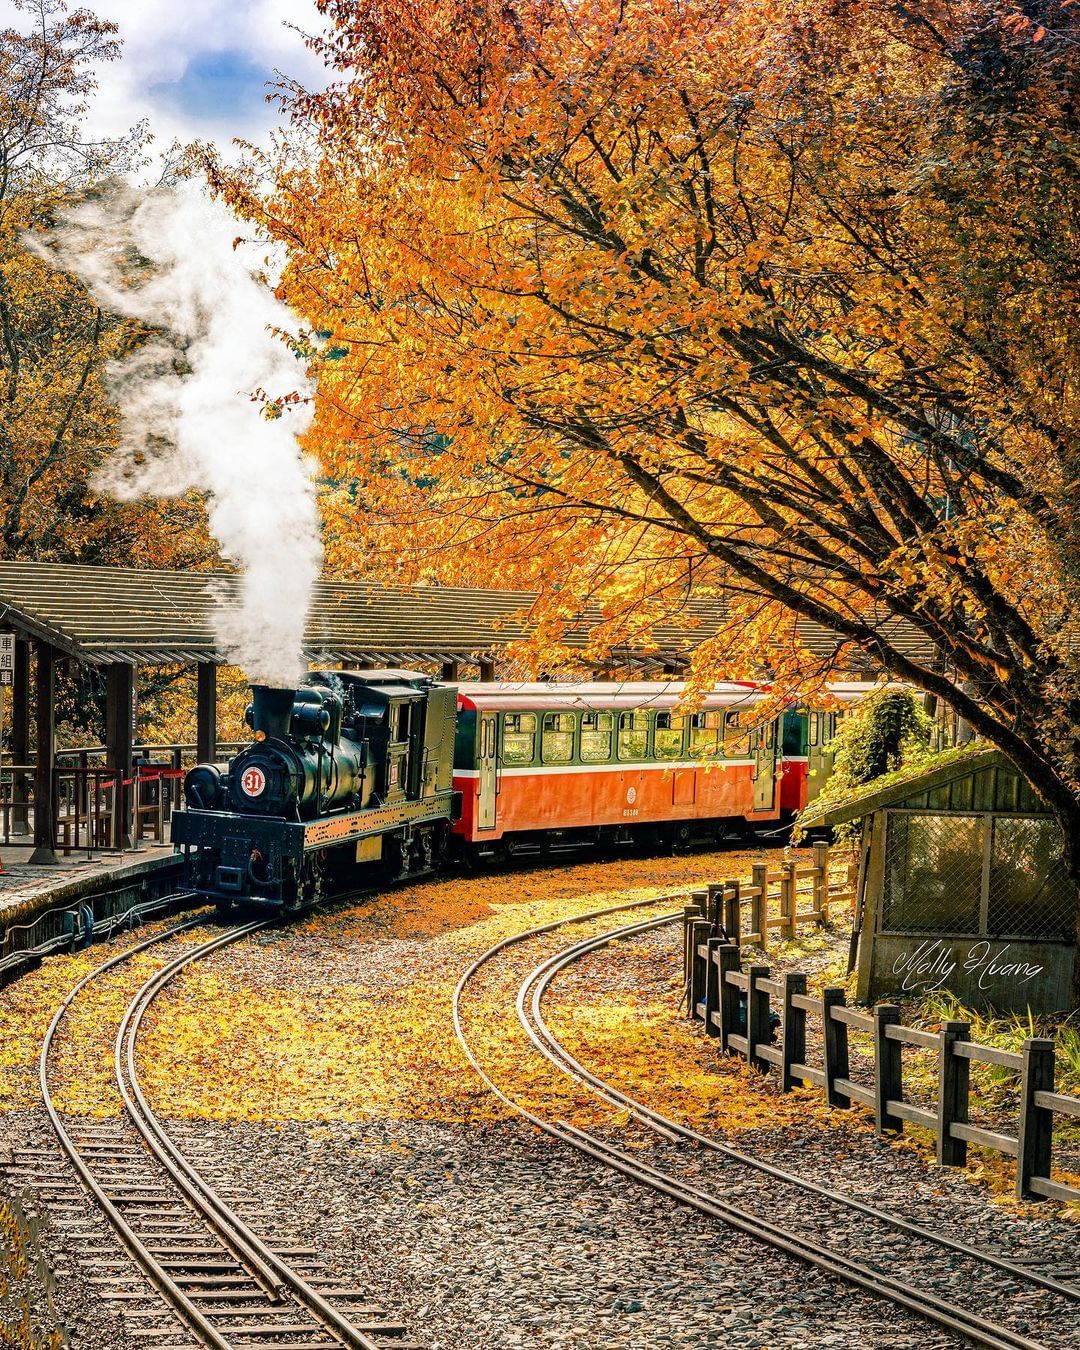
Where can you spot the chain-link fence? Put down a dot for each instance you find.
(1030, 894)
(933, 873)
(941, 877)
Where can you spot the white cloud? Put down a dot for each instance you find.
(166, 39)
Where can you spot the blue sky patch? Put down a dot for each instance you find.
(227, 85)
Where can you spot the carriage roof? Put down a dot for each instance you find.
(515, 696)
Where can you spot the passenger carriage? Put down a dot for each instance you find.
(807, 750)
(549, 764)
(542, 766)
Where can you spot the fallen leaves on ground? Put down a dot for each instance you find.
(348, 1015)
(82, 1066)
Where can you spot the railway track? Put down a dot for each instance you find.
(943, 1279)
(183, 1264)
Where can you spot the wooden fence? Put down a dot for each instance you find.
(749, 912)
(735, 1004)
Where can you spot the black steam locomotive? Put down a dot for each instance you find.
(348, 769)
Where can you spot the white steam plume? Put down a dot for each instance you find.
(166, 257)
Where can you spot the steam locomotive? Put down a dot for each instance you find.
(350, 770)
(376, 776)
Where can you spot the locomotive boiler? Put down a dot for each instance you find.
(348, 775)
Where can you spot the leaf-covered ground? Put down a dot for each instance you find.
(347, 1016)
(81, 1079)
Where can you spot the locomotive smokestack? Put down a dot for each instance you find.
(271, 710)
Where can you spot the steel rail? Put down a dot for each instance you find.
(992, 1335)
(214, 1212)
(273, 1275)
(203, 1196)
(158, 1277)
(545, 975)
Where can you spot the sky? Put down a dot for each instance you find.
(196, 68)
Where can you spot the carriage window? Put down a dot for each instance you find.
(705, 728)
(557, 739)
(596, 729)
(519, 738)
(736, 737)
(669, 735)
(794, 740)
(633, 735)
(813, 730)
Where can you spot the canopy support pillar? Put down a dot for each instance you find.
(44, 853)
(20, 736)
(206, 713)
(120, 744)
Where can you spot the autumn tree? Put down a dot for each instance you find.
(57, 421)
(773, 300)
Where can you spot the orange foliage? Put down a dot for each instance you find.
(628, 302)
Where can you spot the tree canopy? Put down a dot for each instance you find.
(58, 422)
(628, 301)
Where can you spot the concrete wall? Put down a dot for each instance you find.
(1009, 976)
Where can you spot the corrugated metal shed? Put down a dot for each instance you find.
(103, 615)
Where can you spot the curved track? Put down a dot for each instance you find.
(193, 1272)
(793, 1215)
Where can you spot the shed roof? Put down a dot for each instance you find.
(115, 614)
(974, 779)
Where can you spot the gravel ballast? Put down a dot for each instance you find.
(493, 1236)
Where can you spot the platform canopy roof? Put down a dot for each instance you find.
(104, 615)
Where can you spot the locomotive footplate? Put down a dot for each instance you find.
(293, 838)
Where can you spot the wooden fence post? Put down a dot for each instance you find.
(835, 1041)
(794, 1030)
(1036, 1122)
(787, 899)
(821, 881)
(715, 909)
(855, 876)
(953, 1085)
(733, 912)
(759, 905)
(757, 1016)
(727, 959)
(699, 933)
(689, 915)
(888, 1069)
(712, 987)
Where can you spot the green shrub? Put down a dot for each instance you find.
(887, 735)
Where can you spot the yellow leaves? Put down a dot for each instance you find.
(236, 1043)
(83, 1051)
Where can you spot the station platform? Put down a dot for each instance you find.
(26, 891)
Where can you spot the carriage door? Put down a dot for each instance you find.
(817, 754)
(488, 765)
(765, 767)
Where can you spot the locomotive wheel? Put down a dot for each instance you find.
(312, 886)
